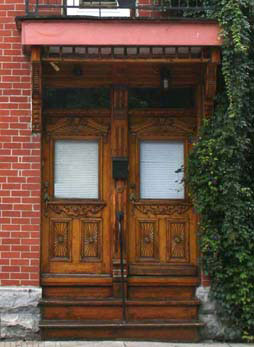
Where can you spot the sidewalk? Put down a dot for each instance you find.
(117, 344)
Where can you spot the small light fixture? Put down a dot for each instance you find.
(54, 66)
(165, 78)
(77, 70)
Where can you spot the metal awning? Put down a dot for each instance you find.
(118, 33)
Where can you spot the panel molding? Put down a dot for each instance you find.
(178, 247)
(91, 240)
(147, 244)
(60, 240)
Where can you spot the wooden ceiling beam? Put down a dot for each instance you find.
(128, 60)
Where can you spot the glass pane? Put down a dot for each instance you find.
(158, 98)
(76, 169)
(76, 98)
(159, 162)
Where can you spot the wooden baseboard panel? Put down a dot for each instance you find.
(167, 331)
(97, 310)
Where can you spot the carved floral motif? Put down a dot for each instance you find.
(162, 209)
(77, 210)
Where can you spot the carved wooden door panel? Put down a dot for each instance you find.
(162, 224)
(76, 213)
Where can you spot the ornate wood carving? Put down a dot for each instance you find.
(161, 209)
(160, 112)
(60, 240)
(77, 126)
(36, 90)
(177, 241)
(163, 126)
(148, 240)
(91, 240)
(76, 210)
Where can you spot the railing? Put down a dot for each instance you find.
(116, 8)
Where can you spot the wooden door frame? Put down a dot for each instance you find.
(119, 119)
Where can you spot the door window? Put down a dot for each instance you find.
(161, 174)
(76, 169)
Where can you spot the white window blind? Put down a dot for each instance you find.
(159, 162)
(76, 169)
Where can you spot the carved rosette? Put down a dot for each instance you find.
(91, 240)
(178, 241)
(148, 239)
(162, 209)
(60, 240)
(77, 210)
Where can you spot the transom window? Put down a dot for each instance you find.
(76, 169)
(161, 174)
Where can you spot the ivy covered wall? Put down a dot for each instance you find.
(221, 172)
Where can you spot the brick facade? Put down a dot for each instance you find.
(19, 159)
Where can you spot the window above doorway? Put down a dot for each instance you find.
(67, 98)
(158, 98)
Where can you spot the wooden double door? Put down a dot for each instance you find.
(81, 196)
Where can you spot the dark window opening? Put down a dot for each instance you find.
(158, 98)
(79, 98)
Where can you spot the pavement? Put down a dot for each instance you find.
(116, 344)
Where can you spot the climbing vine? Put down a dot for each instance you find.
(221, 172)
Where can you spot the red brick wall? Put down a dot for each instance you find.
(19, 158)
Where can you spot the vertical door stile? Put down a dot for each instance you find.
(119, 145)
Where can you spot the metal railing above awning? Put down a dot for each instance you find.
(150, 9)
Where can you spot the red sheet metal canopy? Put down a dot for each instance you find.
(111, 33)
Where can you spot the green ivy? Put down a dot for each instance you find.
(221, 172)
